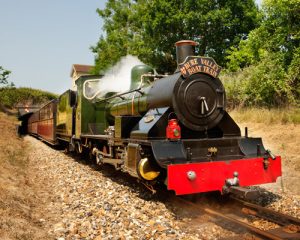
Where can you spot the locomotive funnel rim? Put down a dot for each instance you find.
(186, 42)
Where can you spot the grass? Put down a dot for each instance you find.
(13, 148)
(13, 191)
(267, 116)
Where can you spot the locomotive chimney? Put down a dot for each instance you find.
(184, 48)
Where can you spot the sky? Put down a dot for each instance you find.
(41, 39)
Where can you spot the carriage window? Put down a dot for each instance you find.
(50, 112)
(42, 114)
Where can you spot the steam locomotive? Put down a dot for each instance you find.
(170, 129)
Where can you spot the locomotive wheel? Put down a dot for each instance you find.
(91, 155)
(99, 159)
(78, 147)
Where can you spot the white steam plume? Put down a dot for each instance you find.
(118, 78)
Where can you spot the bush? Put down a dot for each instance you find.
(263, 84)
(294, 75)
(11, 96)
(270, 58)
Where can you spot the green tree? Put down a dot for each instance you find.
(4, 74)
(149, 29)
(278, 33)
(114, 45)
(274, 51)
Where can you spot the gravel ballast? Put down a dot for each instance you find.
(80, 201)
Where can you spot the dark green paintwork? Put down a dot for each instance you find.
(135, 103)
(95, 117)
(89, 116)
(136, 73)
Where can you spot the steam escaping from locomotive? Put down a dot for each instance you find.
(117, 78)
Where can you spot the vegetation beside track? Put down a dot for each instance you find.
(11, 96)
(16, 194)
(14, 207)
(267, 116)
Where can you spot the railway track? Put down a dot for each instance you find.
(241, 213)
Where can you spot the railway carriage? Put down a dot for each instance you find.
(47, 122)
(42, 123)
(33, 123)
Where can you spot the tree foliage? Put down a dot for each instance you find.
(11, 96)
(4, 74)
(278, 33)
(274, 51)
(149, 29)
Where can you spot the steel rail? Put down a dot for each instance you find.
(264, 210)
(243, 224)
(263, 233)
